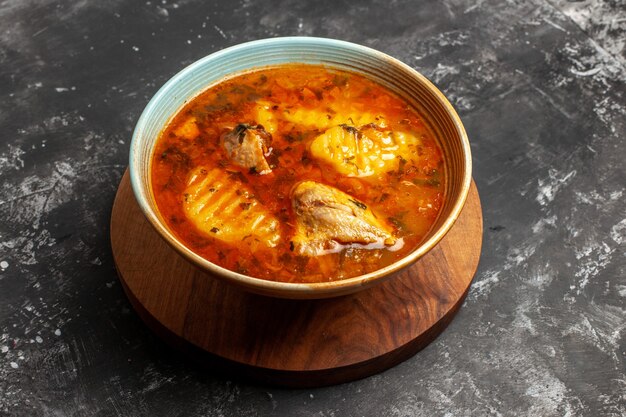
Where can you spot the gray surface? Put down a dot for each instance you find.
(540, 87)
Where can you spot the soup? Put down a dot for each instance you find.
(298, 173)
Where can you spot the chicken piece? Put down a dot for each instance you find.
(323, 120)
(188, 129)
(268, 114)
(368, 150)
(219, 204)
(327, 217)
(248, 146)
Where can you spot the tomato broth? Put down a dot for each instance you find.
(401, 181)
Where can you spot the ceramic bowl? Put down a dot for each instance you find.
(377, 66)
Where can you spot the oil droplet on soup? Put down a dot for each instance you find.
(298, 173)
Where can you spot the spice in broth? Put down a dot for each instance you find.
(298, 173)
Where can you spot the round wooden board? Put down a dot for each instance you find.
(299, 343)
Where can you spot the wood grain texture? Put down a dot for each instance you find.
(292, 342)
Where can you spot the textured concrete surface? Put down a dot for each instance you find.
(540, 85)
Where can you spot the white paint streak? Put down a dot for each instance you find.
(12, 159)
(601, 18)
(443, 71)
(549, 396)
(618, 232)
(515, 257)
(162, 11)
(588, 73)
(522, 319)
(547, 188)
(552, 102)
(518, 256)
(540, 277)
(601, 326)
(554, 25)
(542, 224)
(23, 249)
(593, 258)
(220, 31)
(483, 285)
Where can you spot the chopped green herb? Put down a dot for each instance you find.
(240, 268)
(349, 162)
(262, 79)
(237, 175)
(401, 163)
(430, 182)
(396, 222)
(286, 258)
(351, 129)
(340, 80)
(358, 204)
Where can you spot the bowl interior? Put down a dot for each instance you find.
(414, 88)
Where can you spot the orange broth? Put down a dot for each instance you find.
(409, 197)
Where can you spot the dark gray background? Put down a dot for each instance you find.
(540, 87)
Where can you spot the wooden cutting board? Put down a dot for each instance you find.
(299, 343)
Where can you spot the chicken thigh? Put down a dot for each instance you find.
(248, 147)
(364, 151)
(220, 205)
(326, 218)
